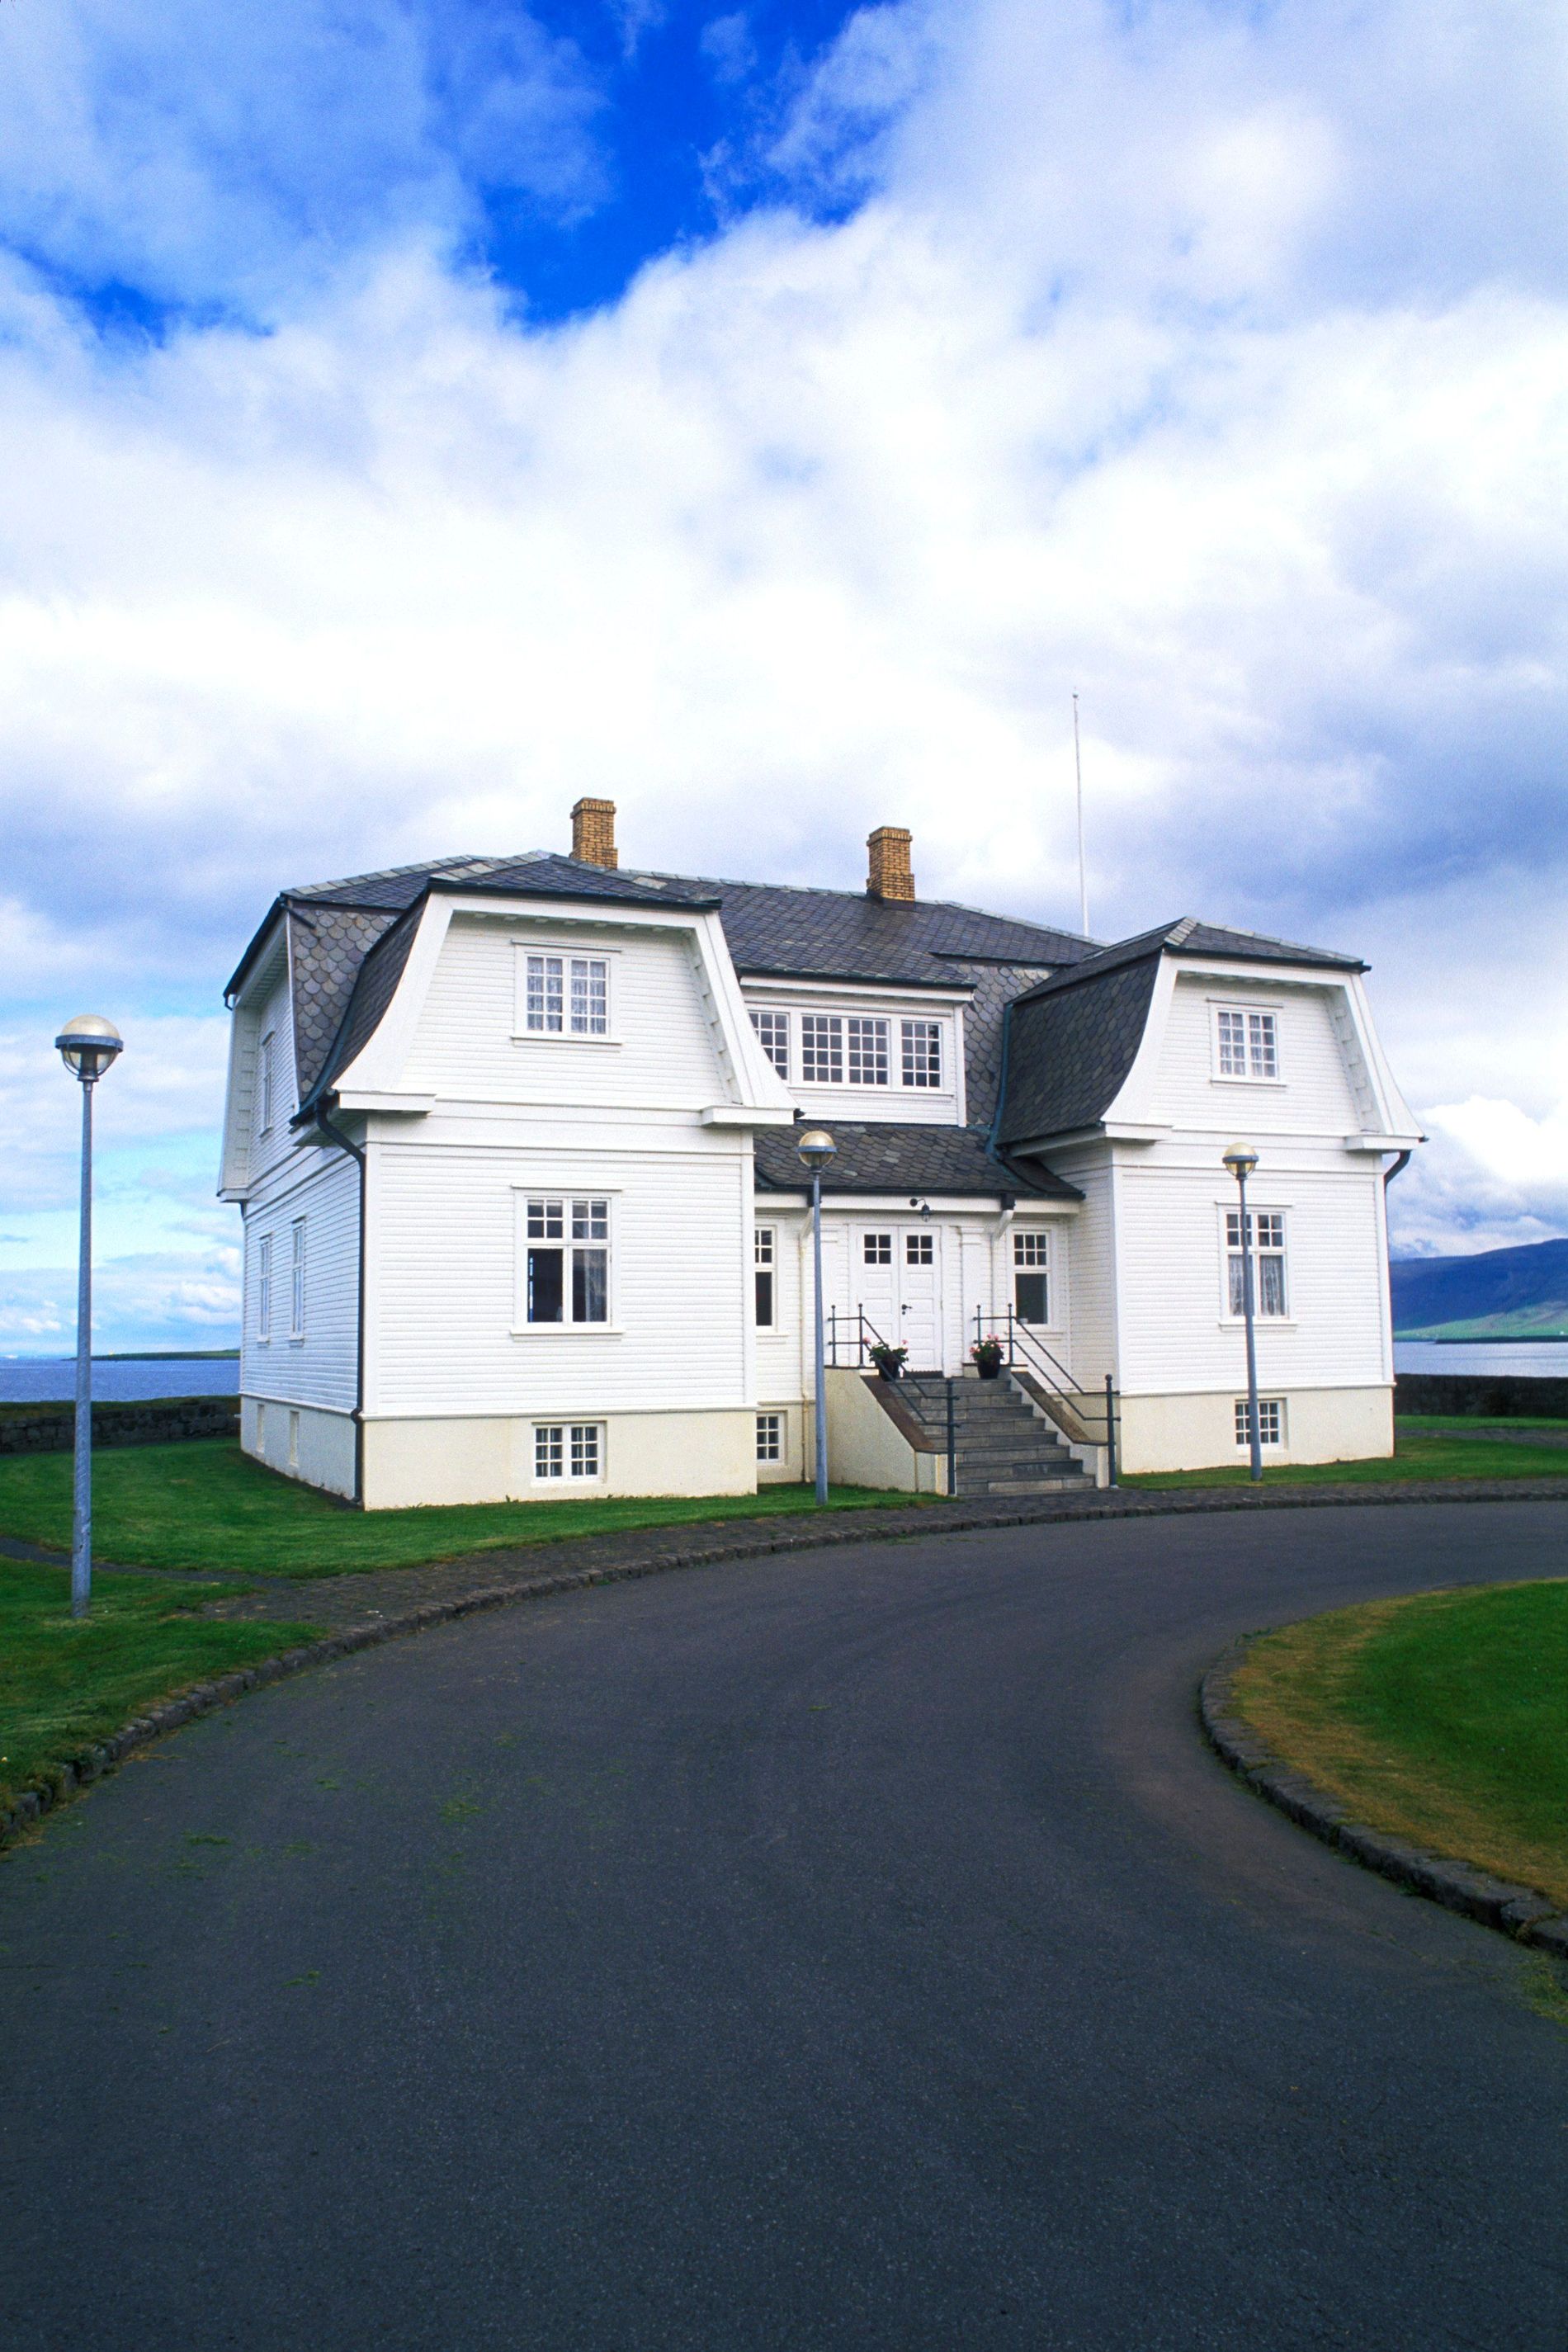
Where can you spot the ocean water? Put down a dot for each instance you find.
(1519, 1359)
(117, 1380)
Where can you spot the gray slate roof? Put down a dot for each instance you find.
(895, 1156)
(1071, 1039)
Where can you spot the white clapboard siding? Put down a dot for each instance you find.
(1313, 1096)
(779, 1355)
(1083, 1246)
(321, 1368)
(446, 1310)
(1175, 1335)
(662, 1052)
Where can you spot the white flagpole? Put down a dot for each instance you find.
(1082, 868)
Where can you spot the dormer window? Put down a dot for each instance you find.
(567, 996)
(868, 1051)
(821, 1049)
(922, 1053)
(1246, 1044)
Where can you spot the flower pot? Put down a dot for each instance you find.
(989, 1372)
(888, 1371)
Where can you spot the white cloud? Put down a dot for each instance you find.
(1164, 359)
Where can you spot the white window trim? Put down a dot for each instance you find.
(298, 1278)
(1229, 1321)
(522, 1328)
(1219, 1005)
(566, 1423)
(267, 1083)
(522, 1034)
(779, 1414)
(266, 1274)
(942, 1021)
(1280, 1444)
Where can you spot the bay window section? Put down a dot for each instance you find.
(821, 1049)
(773, 1031)
(568, 1265)
(921, 1053)
(868, 1051)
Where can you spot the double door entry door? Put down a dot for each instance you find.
(896, 1276)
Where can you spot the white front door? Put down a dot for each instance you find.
(897, 1276)
(919, 1299)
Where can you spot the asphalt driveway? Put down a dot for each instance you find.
(858, 1949)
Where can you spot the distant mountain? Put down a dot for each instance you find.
(1506, 1294)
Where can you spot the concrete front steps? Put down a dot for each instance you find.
(1002, 1446)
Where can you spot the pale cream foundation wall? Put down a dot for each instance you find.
(490, 1460)
(865, 1448)
(1198, 1433)
(304, 1441)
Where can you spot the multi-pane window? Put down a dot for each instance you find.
(922, 1053)
(571, 1449)
(868, 1051)
(920, 1249)
(821, 1049)
(264, 1287)
(1270, 1421)
(264, 1084)
(772, 1028)
(769, 1436)
(568, 1261)
(1248, 1044)
(877, 1249)
(1265, 1243)
(1031, 1277)
(567, 995)
(763, 1257)
(297, 1280)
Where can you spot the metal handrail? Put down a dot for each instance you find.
(1023, 1340)
(861, 1334)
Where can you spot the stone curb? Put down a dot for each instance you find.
(856, 1527)
(1519, 1911)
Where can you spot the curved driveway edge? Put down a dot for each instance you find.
(648, 1552)
(1519, 1911)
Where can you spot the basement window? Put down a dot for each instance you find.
(769, 1436)
(1270, 1421)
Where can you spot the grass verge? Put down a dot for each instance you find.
(1477, 1420)
(1442, 1719)
(203, 1504)
(67, 1681)
(1415, 1456)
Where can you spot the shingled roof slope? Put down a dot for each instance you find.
(903, 1157)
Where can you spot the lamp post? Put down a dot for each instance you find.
(1241, 1159)
(816, 1148)
(88, 1046)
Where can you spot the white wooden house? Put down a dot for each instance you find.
(514, 1142)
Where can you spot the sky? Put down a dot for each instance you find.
(768, 417)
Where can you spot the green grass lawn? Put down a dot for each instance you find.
(1474, 1421)
(65, 1682)
(203, 1504)
(1417, 1456)
(1443, 1720)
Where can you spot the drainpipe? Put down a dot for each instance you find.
(355, 1151)
(1401, 1163)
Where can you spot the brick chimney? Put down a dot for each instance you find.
(889, 875)
(593, 832)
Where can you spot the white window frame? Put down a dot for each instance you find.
(265, 1082)
(562, 1447)
(264, 1289)
(1270, 1418)
(564, 1195)
(821, 1033)
(915, 1052)
(1230, 1247)
(1257, 1051)
(297, 1278)
(765, 1260)
(772, 1431)
(868, 1043)
(776, 1046)
(1037, 1240)
(566, 953)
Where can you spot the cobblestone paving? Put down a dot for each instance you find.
(384, 1595)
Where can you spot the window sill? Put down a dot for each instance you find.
(1228, 1079)
(1260, 1323)
(560, 1037)
(567, 1331)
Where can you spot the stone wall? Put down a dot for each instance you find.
(1503, 1397)
(51, 1428)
